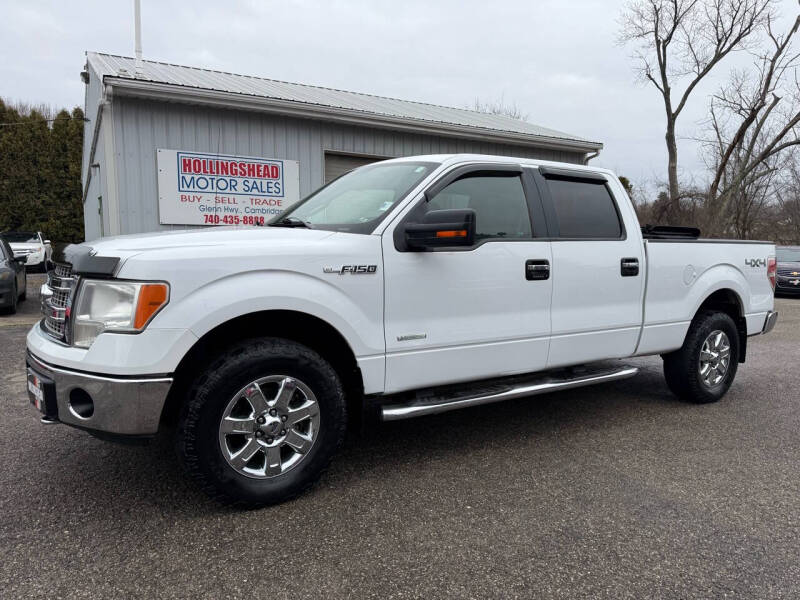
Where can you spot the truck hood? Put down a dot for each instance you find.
(22, 246)
(790, 266)
(200, 238)
(124, 246)
(197, 242)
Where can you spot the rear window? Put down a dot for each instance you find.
(584, 210)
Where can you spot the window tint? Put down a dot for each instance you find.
(499, 203)
(584, 210)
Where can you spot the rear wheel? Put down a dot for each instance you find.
(263, 422)
(703, 369)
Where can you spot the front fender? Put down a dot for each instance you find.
(351, 305)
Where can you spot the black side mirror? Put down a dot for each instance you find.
(442, 229)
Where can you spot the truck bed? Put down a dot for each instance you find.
(682, 273)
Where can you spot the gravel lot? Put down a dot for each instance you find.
(616, 491)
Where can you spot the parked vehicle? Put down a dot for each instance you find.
(788, 270)
(407, 287)
(31, 246)
(13, 279)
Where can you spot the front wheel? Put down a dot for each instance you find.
(703, 369)
(262, 423)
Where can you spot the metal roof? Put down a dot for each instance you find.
(120, 70)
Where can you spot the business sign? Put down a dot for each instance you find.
(217, 189)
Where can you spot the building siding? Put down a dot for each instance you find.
(143, 126)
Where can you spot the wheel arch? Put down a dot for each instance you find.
(301, 327)
(728, 301)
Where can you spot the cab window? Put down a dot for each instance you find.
(498, 200)
(584, 210)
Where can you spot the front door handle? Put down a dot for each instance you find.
(537, 269)
(629, 267)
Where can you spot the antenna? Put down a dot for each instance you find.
(137, 27)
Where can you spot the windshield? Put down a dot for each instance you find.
(788, 254)
(21, 237)
(357, 201)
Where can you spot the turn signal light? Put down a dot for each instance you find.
(772, 267)
(152, 297)
(452, 234)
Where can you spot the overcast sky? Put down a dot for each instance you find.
(557, 60)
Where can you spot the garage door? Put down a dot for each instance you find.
(339, 164)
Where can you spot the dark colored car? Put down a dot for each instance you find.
(788, 281)
(12, 278)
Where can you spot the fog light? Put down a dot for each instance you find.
(80, 403)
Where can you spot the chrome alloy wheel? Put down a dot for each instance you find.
(715, 358)
(269, 426)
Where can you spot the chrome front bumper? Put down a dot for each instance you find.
(119, 405)
(769, 322)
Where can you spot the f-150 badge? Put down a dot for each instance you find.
(352, 269)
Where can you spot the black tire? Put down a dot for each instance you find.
(682, 367)
(24, 295)
(198, 427)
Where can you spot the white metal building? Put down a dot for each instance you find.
(135, 117)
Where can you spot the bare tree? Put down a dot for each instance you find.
(48, 111)
(755, 120)
(679, 42)
(499, 107)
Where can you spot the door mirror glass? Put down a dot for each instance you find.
(441, 229)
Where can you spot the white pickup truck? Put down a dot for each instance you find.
(404, 288)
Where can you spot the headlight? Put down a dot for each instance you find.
(123, 306)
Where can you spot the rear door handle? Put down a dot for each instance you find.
(537, 269)
(629, 267)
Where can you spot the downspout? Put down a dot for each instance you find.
(103, 107)
(112, 204)
(98, 119)
(589, 157)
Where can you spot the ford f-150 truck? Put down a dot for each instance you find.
(404, 288)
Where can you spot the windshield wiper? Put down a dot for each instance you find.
(291, 222)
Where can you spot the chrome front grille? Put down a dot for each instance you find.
(57, 299)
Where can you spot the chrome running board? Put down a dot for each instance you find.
(432, 403)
